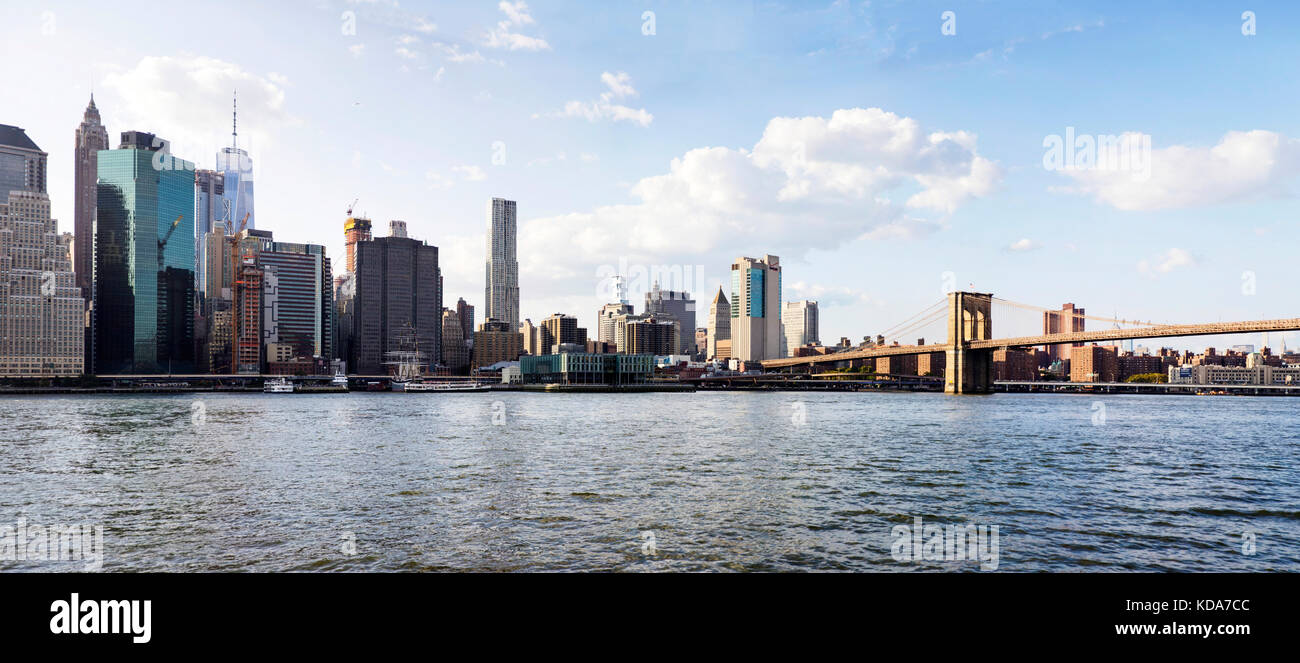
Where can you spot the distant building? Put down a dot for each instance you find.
(42, 329)
(236, 169)
(756, 308)
(1093, 363)
(1068, 319)
(1015, 365)
(465, 312)
(719, 326)
(396, 284)
(558, 329)
(606, 325)
(455, 353)
(933, 363)
(355, 230)
(501, 292)
(91, 137)
(528, 332)
(496, 341)
(587, 369)
(681, 307)
(701, 340)
(1262, 374)
(799, 321)
(144, 259)
(651, 335)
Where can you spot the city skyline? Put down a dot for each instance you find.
(1154, 258)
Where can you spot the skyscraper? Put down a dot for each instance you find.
(465, 312)
(606, 322)
(91, 138)
(396, 284)
(680, 307)
(719, 325)
(236, 169)
(455, 354)
(144, 259)
(501, 293)
(210, 209)
(41, 307)
(756, 308)
(799, 321)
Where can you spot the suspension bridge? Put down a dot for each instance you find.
(966, 357)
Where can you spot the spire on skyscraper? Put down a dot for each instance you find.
(234, 121)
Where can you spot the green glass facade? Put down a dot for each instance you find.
(585, 368)
(144, 266)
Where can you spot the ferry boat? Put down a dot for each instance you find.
(340, 380)
(277, 386)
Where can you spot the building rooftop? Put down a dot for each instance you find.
(12, 136)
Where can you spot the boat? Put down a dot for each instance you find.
(277, 386)
(340, 380)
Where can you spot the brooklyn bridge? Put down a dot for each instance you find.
(967, 354)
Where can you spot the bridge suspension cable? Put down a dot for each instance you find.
(1098, 318)
(924, 315)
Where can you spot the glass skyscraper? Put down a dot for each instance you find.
(144, 259)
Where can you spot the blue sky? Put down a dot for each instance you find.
(736, 128)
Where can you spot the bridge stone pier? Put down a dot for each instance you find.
(970, 318)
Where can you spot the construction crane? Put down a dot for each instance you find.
(243, 222)
(352, 205)
(162, 243)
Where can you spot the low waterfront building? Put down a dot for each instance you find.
(1261, 374)
(581, 368)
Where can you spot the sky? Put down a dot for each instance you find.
(885, 151)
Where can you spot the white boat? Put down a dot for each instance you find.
(277, 386)
(436, 386)
(340, 380)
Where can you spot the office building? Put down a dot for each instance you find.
(719, 326)
(355, 230)
(799, 322)
(558, 329)
(396, 284)
(501, 291)
(455, 354)
(91, 137)
(144, 259)
(22, 163)
(299, 298)
(681, 308)
(465, 312)
(236, 169)
(648, 334)
(606, 327)
(756, 308)
(701, 340)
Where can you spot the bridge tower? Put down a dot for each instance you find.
(970, 318)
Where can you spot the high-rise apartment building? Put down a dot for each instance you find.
(144, 259)
(501, 292)
(799, 321)
(651, 335)
(719, 326)
(1068, 319)
(1093, 363)
(678, 305)
(355, 230)
(42, 329)
(756, 308)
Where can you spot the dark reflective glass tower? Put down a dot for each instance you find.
(144, 259)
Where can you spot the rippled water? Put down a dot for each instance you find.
(722, 480)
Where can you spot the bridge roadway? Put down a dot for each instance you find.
(1156, 331)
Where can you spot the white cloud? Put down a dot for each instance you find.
(1024, 244)
(470, 173)
(407, 40)
(619, 86)
(502, 37)
(423, 26)
(406, 53)
(187, 100)
(1243, 165)
(1167, 262)
(438, 181)
(828, 296)
(808, 183)
(356, 50)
